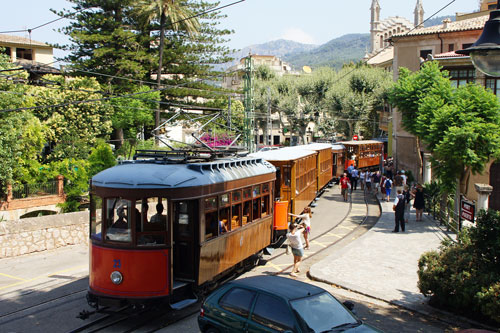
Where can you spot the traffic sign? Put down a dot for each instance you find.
(355, 138)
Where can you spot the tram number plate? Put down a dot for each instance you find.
(117, 263)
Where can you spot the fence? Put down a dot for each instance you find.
(22, 191)
(442, 210)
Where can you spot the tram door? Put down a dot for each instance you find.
(185, 235)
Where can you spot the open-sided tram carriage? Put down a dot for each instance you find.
(364, 154)
(164, 225)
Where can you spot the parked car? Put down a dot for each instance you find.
(275, 304)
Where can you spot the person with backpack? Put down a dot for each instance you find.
(399, 211)
(388, 187)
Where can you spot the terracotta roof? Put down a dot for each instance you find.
(451, 54)
(381, 57)
(476, 23)
(20, 41)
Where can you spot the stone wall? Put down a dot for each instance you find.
(43, 233)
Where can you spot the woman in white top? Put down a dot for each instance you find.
(306, 221)
(362, 178)
(295, 243)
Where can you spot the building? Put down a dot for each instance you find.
(36, 57)
(439, 43)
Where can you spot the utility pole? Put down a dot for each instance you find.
(269, 126)
(249, 108)
(229, 113)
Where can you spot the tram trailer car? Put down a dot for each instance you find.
(296, 180)
(338, 155)
(155, 226)
(323, 163)
(364, 154)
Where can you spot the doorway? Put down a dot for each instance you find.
(185, 240)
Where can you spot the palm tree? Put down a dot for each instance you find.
(179, 17)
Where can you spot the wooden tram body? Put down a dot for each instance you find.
(185, 247)
(296, 175)
(324, 163)
(338, 156)
(364, 154)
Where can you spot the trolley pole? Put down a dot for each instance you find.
(249, 107)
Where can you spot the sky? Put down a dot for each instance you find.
(253, 21)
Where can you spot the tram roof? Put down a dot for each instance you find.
(362, 142)
(283, 154)
(147, 174)
(338, 147)
(316, 146)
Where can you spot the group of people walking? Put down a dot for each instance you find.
(369, 181)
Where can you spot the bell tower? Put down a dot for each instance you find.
(419, 13)
(375, 26)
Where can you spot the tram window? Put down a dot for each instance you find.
(247, 193)
(224, 200)
(211, 225)
(265, 188)
(152, 218)
(265, 205)
(236, 216)
(95, 217)
(224, 226)
(211, 203)
(286, 176)
(118, 219)
(256, 191)
(246, 212)
(256, 209)
(236, 196)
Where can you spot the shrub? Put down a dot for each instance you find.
(465, 276)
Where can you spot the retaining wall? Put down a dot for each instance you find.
(43, 233)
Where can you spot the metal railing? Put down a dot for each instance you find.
(441, 211)
(21, 191)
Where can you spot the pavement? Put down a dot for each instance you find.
(382, 264)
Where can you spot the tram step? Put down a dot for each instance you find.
(268, 251)
(183, 304)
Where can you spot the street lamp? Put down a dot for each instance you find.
(485, 52)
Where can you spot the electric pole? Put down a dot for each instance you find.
(249, 108)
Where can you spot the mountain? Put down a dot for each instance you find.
(277, 48)
(335, 53)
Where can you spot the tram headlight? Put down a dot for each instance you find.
(116, 277)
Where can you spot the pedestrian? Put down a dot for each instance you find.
(407, 195)
(419, 203)
(405, 177)
(399, 211)
(368, 180)
(344, 186)
(295, 243)
(376, 181)
(362, 176)
(388, 187)
(398, 182)
(306, 222)
(354, 178)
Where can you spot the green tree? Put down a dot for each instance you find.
(461, 127)
(74, 126)
(101, 157)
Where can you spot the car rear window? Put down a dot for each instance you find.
(237, 301)
(273, 313)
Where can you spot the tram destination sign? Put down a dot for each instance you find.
(467, 211)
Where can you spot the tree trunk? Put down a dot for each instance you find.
(420, 162)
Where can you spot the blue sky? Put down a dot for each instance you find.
(254, 21)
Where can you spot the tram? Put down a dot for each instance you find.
(166, 223)
(364, 154)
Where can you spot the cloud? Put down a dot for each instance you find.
(298, 35)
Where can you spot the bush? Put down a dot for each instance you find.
(465, 277)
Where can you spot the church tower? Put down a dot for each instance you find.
(375, 25)
(419, 14)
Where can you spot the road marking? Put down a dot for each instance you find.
(38, 277)
(320, 244)
(275, 266)
(348, 228)
(330, 234)
(13, 277)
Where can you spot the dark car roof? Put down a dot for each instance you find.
(277, 285)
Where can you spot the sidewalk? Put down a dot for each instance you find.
(383, 264)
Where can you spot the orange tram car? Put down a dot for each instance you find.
(364, 154)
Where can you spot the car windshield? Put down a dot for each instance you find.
(322, 312)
